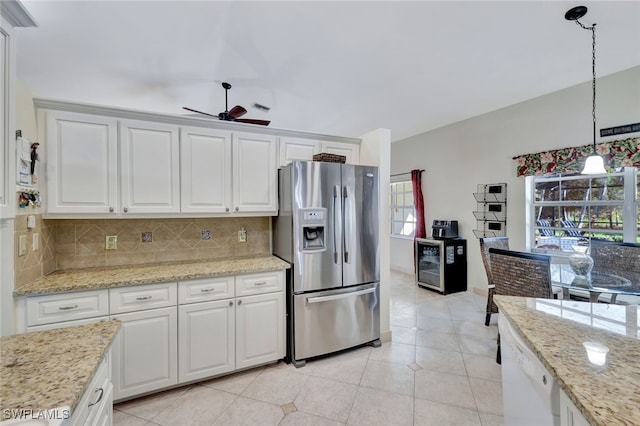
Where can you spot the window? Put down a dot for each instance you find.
(567, 210)
(403, 212)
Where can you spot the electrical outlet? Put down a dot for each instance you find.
(111, 242)
(22, 245)
(242, 235)
(35, 245)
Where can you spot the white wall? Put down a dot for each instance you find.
(479, 150)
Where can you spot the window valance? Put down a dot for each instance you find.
(618, 153)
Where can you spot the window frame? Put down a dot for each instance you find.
(401, 179)
(629, 206)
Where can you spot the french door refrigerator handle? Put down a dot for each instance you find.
(347, 220)
(336, 192)
(340, 296)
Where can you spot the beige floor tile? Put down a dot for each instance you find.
(398, 353)
(305, 419)
(437, 340)
(488, 395)
(437, 360)
(246, 411)
(148, 407)
(404, 335)
(389, 377)
(428, 413)
(326, 398)
(482, 367)
(444, 388)
(234, 383)
(346, 368)
(439, 325)
(199, 406)
(477, 345)
(475, 328)
(276, 386)
(491, 420)
(120, 418)
(377, 407)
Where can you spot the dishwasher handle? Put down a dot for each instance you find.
(320, 299)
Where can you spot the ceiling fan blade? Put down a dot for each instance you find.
(200, 112)
(253, 121)
(237, 111)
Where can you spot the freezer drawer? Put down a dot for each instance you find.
(333, 320)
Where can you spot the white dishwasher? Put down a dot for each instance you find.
(530, 395)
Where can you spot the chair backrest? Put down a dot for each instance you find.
(521, 274)
(545, 232)
(572, 229)
(485, 245)
(617, 258)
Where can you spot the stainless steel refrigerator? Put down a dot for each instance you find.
(327, 229)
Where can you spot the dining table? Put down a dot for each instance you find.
(599, 283)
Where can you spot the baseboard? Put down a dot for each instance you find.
(385, 336)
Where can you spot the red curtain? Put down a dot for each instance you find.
(418, 202)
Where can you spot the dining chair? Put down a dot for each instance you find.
(516, 273)
(485, 245)
(621, 259)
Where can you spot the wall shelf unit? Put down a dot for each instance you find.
(491, 212)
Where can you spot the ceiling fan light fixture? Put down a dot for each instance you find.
(594, 165)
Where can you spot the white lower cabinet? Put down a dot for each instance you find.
(570, 415)
(206, 339)
(145, 352)
(259, 329)
(96, 404)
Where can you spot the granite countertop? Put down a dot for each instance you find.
(97, 278)
(555, 331)
(51, 369)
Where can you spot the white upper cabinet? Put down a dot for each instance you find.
(150, 167)
(205, 170)
(81, 163)
(297, 149)
(254, 173)
(349, 150)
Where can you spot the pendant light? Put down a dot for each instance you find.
(594, 163)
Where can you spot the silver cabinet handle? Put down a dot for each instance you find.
(227, 209)
(230, 303)
(67, 308)
(110, 209)
(91, 404)
(126, 209)
(260, 283)
(144, 297)
(206, 290)
(237, 208)
(239, 302)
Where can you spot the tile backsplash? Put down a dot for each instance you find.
(34, 264)
(80, 243)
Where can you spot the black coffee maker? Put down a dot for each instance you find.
(444, 229)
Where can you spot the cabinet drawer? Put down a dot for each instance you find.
(265, 282)
(67, 307)
(141, 297)
(94, 395)
(205, 290)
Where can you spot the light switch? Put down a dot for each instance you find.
(36, 242)
(31, 221)
(22, 245)
(111, 242)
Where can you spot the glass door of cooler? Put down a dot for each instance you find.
(429, 264)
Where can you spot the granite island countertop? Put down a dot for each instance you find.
(555, 331)
(51, 369)
(107, 277)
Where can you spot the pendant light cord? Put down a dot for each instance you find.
(593, 68)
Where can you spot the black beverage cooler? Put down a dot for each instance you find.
(441, 264)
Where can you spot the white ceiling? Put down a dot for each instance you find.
(341, 68)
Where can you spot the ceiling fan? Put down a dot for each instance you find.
(233, 115)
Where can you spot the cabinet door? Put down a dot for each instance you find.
(82, 170)
(351, 151)
(259, 329)
(254, 173)
(205, 170)
(149, 162)
(206, 340)
(297, 149)
(145, 352)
